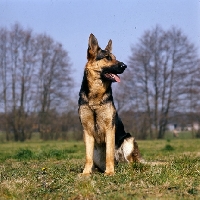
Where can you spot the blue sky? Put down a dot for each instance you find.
(71, 21)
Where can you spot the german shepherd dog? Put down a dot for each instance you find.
(106, 141)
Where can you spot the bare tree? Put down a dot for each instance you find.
(4, 77)
(54, 80)
(22, 59)
(35, 78)
(161, 65)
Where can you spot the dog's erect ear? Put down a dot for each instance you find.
(109, 46)
(93, 47)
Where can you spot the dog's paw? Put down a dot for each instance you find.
(109, 174)
(84, 175)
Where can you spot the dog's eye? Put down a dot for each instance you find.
(108, 57)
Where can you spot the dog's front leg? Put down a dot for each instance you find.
(110, 150)
(89, 144)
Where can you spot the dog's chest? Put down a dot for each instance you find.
(99, 134)
(102, 121)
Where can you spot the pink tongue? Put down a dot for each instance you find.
(117, 79)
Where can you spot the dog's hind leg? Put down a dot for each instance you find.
(89, 143)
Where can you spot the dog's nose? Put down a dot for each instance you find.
(122, 65)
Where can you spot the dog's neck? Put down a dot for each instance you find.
(98, 92)
(94, 91)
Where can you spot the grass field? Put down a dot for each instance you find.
(50, 170)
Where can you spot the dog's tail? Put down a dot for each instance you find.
(152, 163)
(136, 153)
(138, 158)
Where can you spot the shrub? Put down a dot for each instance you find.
(23, 154)
(168, 147)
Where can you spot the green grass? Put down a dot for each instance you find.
(181, 135)
(50, 170)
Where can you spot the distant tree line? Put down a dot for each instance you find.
(36, 85)
(163, 78)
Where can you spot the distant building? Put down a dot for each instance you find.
(196, 126)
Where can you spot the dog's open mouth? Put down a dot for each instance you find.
(112, 77)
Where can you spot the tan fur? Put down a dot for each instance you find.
(98, 114)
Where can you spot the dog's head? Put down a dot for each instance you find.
(103, 62)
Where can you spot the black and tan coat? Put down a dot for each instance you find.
(106, 141)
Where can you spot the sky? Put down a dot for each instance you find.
(70, 23)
